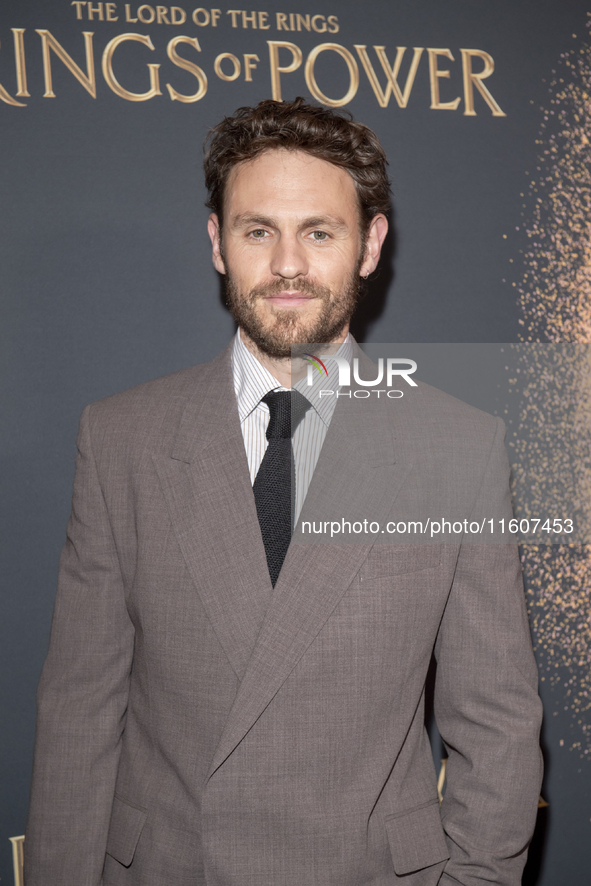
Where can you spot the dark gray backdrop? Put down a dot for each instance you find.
(106, 277)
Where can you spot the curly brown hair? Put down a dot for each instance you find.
(297, 126)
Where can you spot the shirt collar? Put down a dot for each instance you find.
(325, 406)
(252, 381)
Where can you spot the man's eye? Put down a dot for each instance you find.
(319, 236)
(258, 234)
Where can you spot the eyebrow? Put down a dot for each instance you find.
(244, 219)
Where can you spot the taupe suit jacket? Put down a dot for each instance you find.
(197, 727)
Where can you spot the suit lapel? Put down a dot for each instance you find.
(206, 483)
(207, 487)
(315, 577)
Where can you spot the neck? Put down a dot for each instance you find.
(284, 369)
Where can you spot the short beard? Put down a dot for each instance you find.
(286, 328)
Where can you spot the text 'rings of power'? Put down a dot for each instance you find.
(285, 57)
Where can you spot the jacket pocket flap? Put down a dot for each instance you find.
(124, 831)
(416, 839)
(398, 559)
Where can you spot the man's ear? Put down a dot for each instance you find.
(215, 235)
(376, 235)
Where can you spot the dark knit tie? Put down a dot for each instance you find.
(274, 486)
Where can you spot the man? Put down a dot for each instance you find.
(218, 710)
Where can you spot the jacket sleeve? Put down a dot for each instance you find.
(82, 697)
(486, 704)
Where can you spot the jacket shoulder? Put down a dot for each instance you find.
(155, 391)
(152, 410)
(451, 429)
(448, 410)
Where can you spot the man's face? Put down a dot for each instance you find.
(291, 249)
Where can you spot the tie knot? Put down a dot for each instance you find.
(286, 409)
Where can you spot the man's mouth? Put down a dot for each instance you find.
(288, 299)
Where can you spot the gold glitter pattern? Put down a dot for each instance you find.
(555, 296)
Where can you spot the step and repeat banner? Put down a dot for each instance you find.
(484, 111)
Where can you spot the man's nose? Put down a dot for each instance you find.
(289, 258)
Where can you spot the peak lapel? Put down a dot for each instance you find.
(207, 486)
(314, 576)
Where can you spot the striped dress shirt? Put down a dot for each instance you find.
(251, 382)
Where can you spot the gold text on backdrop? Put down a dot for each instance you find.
(285, 58)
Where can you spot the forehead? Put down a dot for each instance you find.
(282, 182)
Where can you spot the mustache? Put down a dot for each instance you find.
(307, 287)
